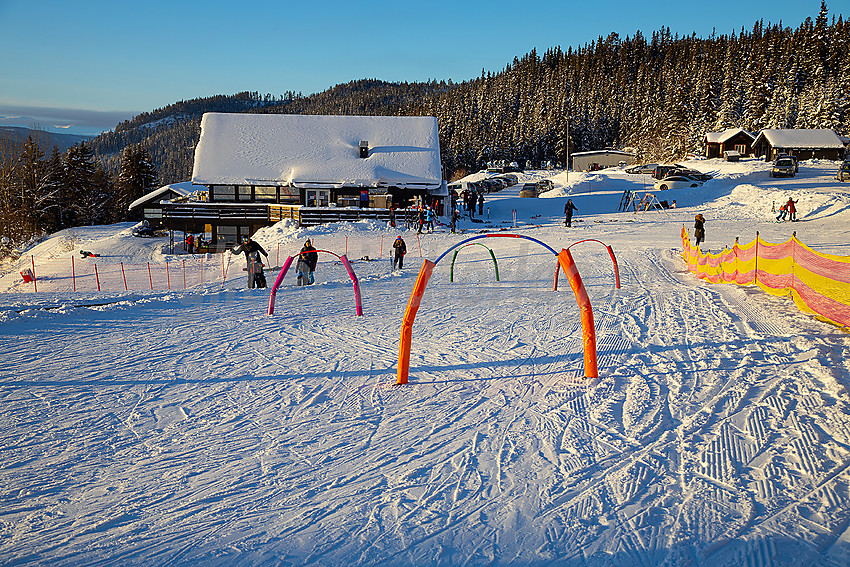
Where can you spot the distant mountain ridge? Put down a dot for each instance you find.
(18, 135)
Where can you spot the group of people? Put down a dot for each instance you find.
(193, 244)
(470, 200)
(789, 209)
(254, 264)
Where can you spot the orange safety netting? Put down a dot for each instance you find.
(819, 283)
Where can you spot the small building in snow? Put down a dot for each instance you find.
(598, 159)
(731, 139)
(804, 144)
(260, 168)
(149, 206)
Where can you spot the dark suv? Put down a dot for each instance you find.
(783, 167)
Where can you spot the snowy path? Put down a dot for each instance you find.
(717, 434)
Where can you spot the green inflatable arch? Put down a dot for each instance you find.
(493, 256)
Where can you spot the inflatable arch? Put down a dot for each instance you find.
(357, 299)
(454, 257)
(565, 262)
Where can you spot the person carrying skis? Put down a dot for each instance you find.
(252, 251)
(568, 213)
(399, 250)
(699, 230)
(306, 265)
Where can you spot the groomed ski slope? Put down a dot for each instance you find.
(189, 428)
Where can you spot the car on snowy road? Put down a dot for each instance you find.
(676, 182)
(783, 167)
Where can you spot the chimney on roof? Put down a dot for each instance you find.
(364, 149)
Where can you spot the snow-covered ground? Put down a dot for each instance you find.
(189, 428)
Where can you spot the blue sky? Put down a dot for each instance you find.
(82, 67)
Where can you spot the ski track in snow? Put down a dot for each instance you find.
(192, 429)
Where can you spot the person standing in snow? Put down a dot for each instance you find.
(392, 217)
(481, 206)
(792, 209)
(699, 230)
(568, 213)
(455, 216)
(190, 244)
(252, 251)
(308, 257)
(399, 250)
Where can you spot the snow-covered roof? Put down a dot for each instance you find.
(602, 153)
(725, 135)
(183, 189)
(801, 139)
(303, 150)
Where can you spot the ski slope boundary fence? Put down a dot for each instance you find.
(818, 283)
(104, 274)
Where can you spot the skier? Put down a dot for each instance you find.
(392, 217)
(307, 260)
(429, 218)
(455, 216)
(399, 250)
(252, 251)
(568, 213)
(480, 205)
(699, 231)
(190, 244)
(783, 212)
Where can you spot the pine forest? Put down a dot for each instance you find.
(658, 95)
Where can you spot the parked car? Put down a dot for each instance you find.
(676, 182)
(528, 190)
(693, 173)
(783, 167)
(645, 168)
(843, 171)
(545, 185)
(793, 158)
(662, 171)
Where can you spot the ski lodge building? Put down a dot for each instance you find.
(731, 139)
(257, 169)
(805, 144)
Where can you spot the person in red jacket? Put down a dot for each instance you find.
(792, 210)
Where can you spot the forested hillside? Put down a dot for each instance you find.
(658, 94)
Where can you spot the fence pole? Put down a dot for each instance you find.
(382, 247)
(224, 275)
(346, 246)
(420, 244)
(96, 277)
(756, 273)
(277, 260)
(202, 270)
(124, 276)
(184, 274)
(34, 279)
(167, 277)
(73, 274)
(150, 277)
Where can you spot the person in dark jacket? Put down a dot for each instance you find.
(568, 213)
(252, 251)
(699, 230)
(399, 250)
(308, 257)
